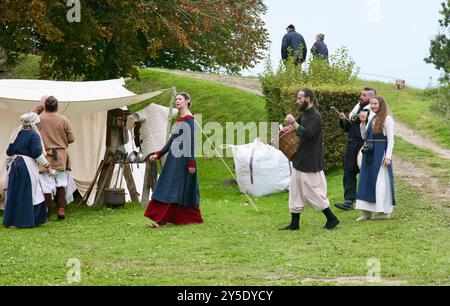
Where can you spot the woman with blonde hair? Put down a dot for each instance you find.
(376, 181)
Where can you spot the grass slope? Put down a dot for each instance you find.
(412, 107)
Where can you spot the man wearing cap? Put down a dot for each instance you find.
(320, 49)
(293, 44)
(57, 134)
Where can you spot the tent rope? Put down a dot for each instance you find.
(228, 168)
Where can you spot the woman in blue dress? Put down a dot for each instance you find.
(25, 204)
(176, 197)
(375, 196)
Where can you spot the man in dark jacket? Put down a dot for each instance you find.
(319, 48)
(308, 184)
(293, 44)
(354, 144)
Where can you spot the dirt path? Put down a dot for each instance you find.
(420, 141)
(415, 176)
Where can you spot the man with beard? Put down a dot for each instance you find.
(354, 144)
(308, 184)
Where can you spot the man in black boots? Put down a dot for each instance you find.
(354, 144)
(308, 184)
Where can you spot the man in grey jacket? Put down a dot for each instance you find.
(293, 44)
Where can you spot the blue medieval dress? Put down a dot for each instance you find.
(176, 196)
(376, 182)
(25, 206)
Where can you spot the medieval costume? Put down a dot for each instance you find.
(57, 134)
(176, 197)
(376, 182)
(25, 206)
(354, 145)
(308, 183)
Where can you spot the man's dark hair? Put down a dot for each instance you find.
(51, 104)
(370, 89)
(290, 27)
(310, 94)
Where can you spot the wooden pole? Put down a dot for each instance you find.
(134, 195)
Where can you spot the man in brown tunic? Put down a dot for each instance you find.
(57, 134)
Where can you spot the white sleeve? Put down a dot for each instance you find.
(362, 127)
(389, 126)
(41, 160)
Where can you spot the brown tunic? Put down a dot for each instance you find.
(56, 133)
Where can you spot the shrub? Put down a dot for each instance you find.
(333, 86)
(343, 98)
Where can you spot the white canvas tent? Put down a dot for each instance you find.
(85, 104)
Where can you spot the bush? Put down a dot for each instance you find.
(333, 86)
(343, 98)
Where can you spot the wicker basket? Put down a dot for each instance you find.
(288, 144)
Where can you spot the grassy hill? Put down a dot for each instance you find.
(411, 106)
(236, 245)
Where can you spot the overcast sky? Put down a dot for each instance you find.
(385, 37)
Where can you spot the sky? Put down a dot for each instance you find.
(385, 37)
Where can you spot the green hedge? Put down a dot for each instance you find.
(282, 100)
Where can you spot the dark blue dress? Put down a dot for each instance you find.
(19, 209)
(175, 184)
(176, 197)
(370, 166)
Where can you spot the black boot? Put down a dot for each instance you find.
(346, 205)
(61, 202)
(49, 204)
(332, 220)
(295, 223)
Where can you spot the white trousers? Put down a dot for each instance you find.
(308, 188)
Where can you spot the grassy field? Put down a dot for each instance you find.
(235, 246)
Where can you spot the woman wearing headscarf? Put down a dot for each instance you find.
(25, 205)
(176, 198)
(375, 196)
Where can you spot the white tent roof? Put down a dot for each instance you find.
(73, 97)
(85, 104)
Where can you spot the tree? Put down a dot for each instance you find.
(115, 37)
(440, 45)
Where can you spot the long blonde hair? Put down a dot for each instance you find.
(378, 124)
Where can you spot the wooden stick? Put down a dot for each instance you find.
(91, 186)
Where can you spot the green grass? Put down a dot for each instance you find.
(412, 107)
(423, 158)
(214, 101)
(235, 246)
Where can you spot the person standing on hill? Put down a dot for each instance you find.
(308, 183)
(293, 44)
(320, 49)
(354, 145)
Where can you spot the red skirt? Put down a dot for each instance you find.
(172, 213)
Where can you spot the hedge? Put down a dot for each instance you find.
(282, 100)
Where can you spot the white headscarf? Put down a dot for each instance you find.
(28, 119)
